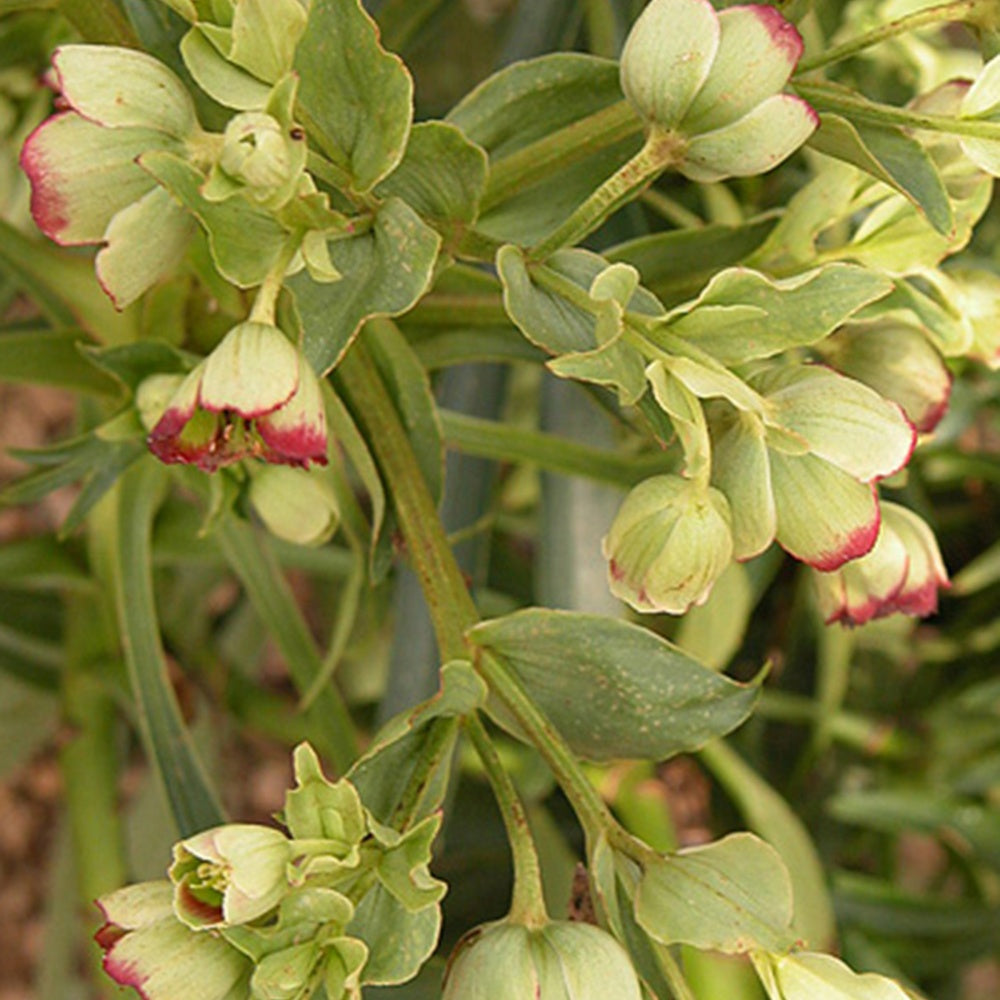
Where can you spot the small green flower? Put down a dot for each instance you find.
(713, 82)
(560, 960)
(668, 544)
(230, 875)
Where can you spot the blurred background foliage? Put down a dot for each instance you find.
(883, 741)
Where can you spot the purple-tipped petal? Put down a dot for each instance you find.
(825, 517)
(296, 433)
(82, 175)
(758, 51)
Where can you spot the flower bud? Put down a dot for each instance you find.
(561, 960)
(715, 79)
(295, 505)
(668, 544)
(900, 364)
(229, 875)
(260, 159)
(286, 974)
(901, 575)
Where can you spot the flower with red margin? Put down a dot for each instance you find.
(714, 80)
(900, 364)
(901, 575)
(804, 471)
(254, 396)
(146, 947)
(86, 186)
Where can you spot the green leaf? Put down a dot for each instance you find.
(51, 357)
(355, 99)
(807, 976)
(28, 716)
(560, 321)
(245, 240)
(384, 272)
(676, 265)
(770, 816)
(253, 561)
(733, 896)
(614, 689)
(538, 174)
(399, 941)
(442, 177)
(131, 364)
(743, 315)
(410, 387)
(124, 528)
(42, 563)
(889, 155)
(416, 739)
(227, 83)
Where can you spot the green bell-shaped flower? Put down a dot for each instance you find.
(711, 83)
(559, 960)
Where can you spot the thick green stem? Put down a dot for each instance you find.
(559, 150)
(958, 10)
(451, 607)
(528, 901)
(448, 599)
(591, 810)
(266, 302)
(660, 151)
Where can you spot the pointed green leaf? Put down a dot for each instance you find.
(808, 976)
(228, 84)
(52, 357)
(888, 154)
(355, 99)
(743, 314)
(614, 689)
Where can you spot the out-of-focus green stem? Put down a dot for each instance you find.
(99, 21)
(88, 762)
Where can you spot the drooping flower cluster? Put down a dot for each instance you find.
(249, 912)
(712, 83)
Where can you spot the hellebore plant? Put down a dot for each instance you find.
(299, 287)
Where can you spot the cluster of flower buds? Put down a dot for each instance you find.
(251, 913)
(560, 960)
(709, 85)
(798, 462)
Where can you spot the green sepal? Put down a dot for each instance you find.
(355, 99)
(318, 809)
